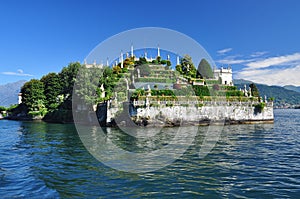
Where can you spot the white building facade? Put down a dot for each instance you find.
(225, 75)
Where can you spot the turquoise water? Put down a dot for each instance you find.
(40, 160)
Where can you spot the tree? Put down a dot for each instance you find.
(145, 69)
(117, 69)
(179, 69)
(33, 95)
(88, 84)
(254, 90)
(187, 66)
(108, 80)
(68, 76)
(52, 89)
(169, 63)
(142, 60)
(204, 69)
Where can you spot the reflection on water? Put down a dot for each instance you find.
(42, 160)
(157, 148)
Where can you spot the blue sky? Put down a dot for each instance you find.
(259, 38)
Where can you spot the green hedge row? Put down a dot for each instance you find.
(158, 80)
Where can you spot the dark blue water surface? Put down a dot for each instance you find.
(40, 160)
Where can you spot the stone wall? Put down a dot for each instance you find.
(193, 114)
(188, 113)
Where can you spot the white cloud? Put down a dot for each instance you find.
(273, 61)
(19, 72)
(224, 51)
(266, 71)
(258, 54)
(275, 76)
(229, 60)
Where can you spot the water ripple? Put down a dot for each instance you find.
(40, 160)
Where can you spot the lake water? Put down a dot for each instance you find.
(40, 160)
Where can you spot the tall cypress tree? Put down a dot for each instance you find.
(205, 70)
(254, 90)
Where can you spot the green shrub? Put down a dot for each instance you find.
(199, 105)
(231, 88)
(230, 93)
(163, 62)
(210, 81)
(201, 90)
(2, 108)
(258, 108)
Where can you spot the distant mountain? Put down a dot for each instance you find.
(241, 81)
(292, 88)
(282, 95)
(9, 93)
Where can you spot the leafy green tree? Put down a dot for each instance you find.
(187, 66)
(68, 76)
(204, 69)
(52, 89)
(33, 95)
(254, 90)
(108, 79)
(88, 83)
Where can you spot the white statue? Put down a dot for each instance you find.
(147, 101)
(138, 72)
(132, 79)
(132, 51)
(266, 99)
(127, 85)
(245, 90)
(148, 90)
(102, 91)
(121, 59)
(158, 51)
(177, 61)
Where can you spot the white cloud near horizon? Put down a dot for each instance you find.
(277, 70)
(19, 72)
(275, 76)
(224, 51)
(274, 61)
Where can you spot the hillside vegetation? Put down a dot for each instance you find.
(281, 95)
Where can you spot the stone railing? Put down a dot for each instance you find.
(204, 103)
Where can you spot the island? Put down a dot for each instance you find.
(143, 91)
